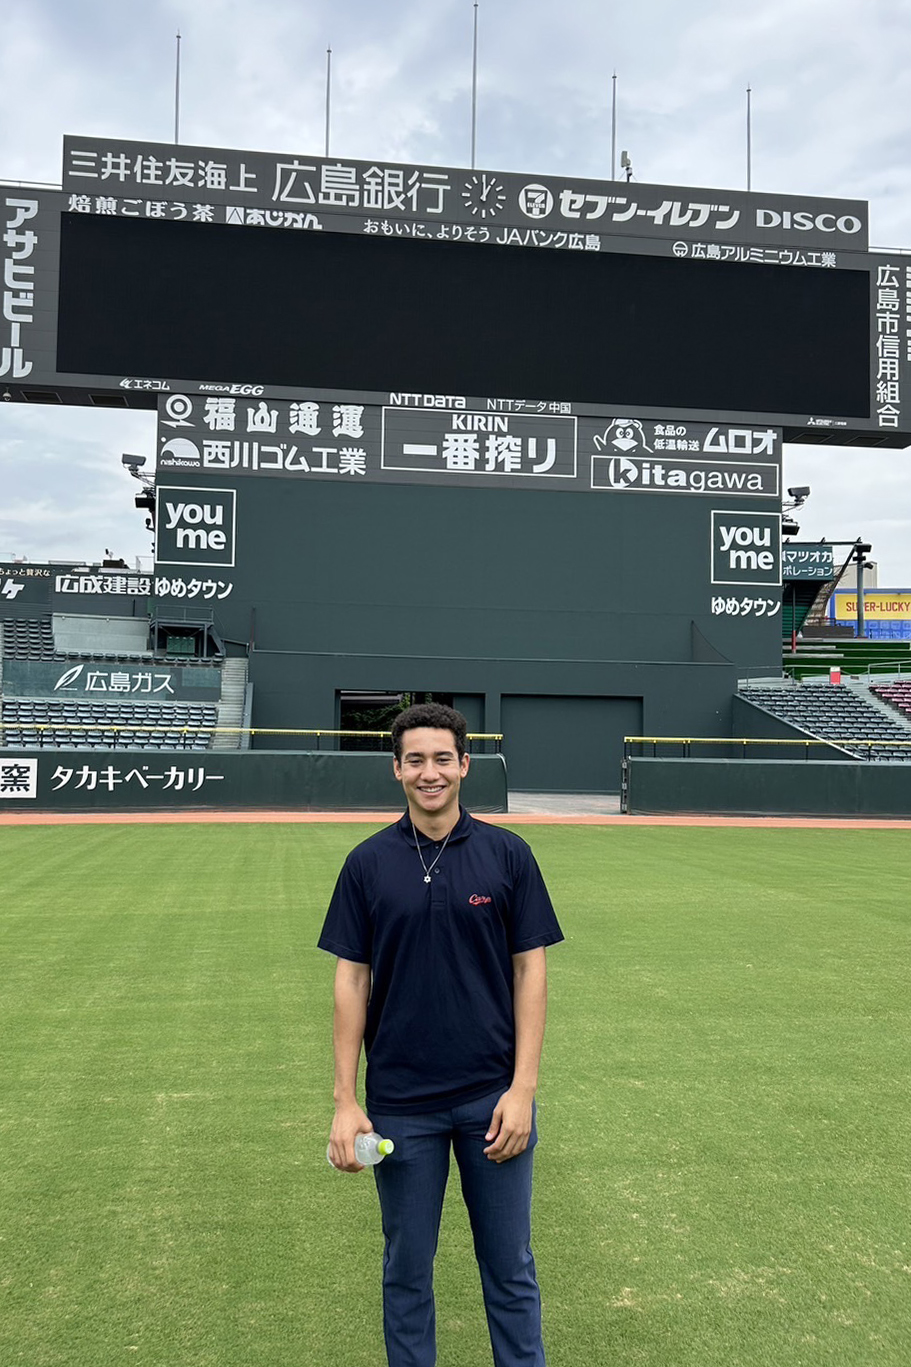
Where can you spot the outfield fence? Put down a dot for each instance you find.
(745, 776)
(743, 747)
(105, 778)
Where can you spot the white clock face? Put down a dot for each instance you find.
(484, 195)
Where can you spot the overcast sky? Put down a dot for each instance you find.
(831, 102)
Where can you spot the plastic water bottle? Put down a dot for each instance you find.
(369, 1149)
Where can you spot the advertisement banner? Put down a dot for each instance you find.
(29, 247)
(891, 342)
(24, 584)
(746, 548)
(124, 680)
(171, 780)
(807, 560)
(880, 605)
(273, 189)
(194, 526)
(443, 439)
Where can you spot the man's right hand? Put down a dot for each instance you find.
(349, 1122)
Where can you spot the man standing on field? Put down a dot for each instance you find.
(440, 924)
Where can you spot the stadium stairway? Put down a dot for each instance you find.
(873, 695)
(896, 695)
(231, 704)
(815, 657)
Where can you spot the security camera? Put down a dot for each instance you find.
(132, 462)
(7, 396)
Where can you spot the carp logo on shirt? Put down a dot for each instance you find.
(476, 900)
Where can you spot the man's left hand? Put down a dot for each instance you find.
(510, 1126)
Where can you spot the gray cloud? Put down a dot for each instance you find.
(65, 493)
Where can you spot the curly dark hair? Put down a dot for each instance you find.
(433, 714)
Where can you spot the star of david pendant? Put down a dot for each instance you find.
(426, 877)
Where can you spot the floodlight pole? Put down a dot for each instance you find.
(177, 94)
(861, 550)
(861, 605)
(328, 93)
(474, 86)
(613, 128)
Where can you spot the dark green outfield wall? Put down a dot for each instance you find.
(768, 788)
(563, 725)
(149, 781)
(566, 620)
(424, 572)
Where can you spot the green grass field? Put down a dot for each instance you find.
(723, 1173)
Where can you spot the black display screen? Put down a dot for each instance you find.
(344, 311)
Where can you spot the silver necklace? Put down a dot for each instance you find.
(429, 871)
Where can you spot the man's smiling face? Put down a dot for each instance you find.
(431, 772)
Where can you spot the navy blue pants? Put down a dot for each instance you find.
(411, 1183)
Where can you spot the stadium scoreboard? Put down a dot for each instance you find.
(163, 269)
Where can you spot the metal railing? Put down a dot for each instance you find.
(45, 732)
(889, 666)
(685, 744)
(820, 663)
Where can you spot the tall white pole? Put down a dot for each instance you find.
(474, 86)
(177, 94)
(749, 139)
(328, 93)
(613, 128)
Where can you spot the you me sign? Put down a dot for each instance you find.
(746, 548)
(194, 526)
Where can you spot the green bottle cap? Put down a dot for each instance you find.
(385, 1147)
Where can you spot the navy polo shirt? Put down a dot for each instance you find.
(440, 1028)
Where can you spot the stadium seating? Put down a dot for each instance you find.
(897, 695)
(32, 638)
(28, 639)
(835, 713)
(36, 724)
